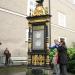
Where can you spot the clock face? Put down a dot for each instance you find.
(38, 40)
(38, 43)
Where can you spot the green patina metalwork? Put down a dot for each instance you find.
(38, 27)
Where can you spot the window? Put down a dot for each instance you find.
(73, 1)
(61, 19)
(31, 6)
(26, 36)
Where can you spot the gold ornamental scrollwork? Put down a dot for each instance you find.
(38, 60)
(39, 10)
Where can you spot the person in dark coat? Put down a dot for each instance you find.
(7, 56)
(62, 57)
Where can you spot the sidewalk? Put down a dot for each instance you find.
(23, 73)
(2, 65)
(18, 70)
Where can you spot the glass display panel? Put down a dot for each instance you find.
(38, 38)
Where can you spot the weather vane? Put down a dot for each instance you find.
(39, 10)
(40, 1)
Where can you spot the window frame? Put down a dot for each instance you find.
(26, 34)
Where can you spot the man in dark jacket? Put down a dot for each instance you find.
(62, 57)
(7, 56)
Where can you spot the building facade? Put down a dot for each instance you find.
(62, 21)
(14, 27)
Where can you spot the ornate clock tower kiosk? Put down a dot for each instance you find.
(38, 37)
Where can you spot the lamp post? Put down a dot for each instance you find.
(49, 23)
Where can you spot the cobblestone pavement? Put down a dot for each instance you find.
(19, 73)
(22, 73)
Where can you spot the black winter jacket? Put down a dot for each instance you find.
(62, 55)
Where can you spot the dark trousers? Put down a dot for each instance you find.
(6, 61)
(63, 69)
